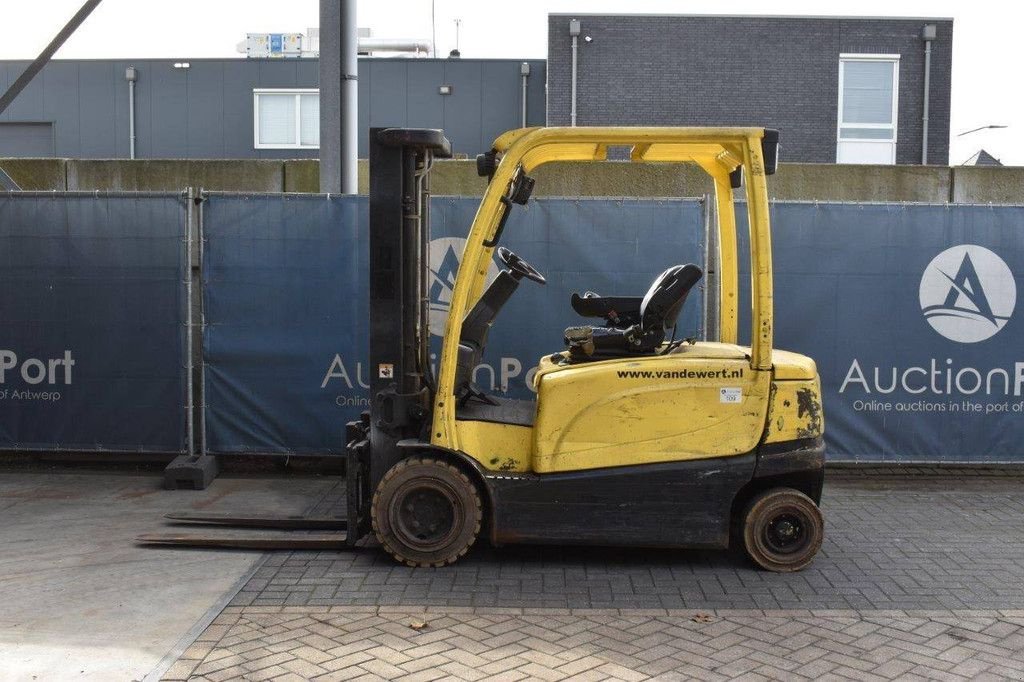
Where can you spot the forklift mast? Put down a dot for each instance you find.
(401, 384)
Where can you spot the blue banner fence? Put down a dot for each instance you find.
(285, 289)
(908, 309)
(94, 322)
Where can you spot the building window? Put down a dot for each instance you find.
(286, 119)
(868, 98)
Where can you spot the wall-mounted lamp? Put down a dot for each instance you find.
(181, 65)
(444, 90)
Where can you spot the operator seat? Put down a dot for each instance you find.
(634, 325)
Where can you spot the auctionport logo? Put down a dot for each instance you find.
(967, 293)
(444, 255)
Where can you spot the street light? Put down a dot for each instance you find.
(968, 132)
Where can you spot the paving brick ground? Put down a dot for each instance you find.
(891, 543)
(343, 643)
(920, 577)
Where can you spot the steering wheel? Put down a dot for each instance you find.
(520, 267)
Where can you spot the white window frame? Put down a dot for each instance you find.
(297, 94)
(894, 59)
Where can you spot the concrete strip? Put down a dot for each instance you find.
(37, 174)
(175, 175)
(189, 638)
(988, 184)
(81, 601)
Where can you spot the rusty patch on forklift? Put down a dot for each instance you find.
(509, 464)
(807, 403)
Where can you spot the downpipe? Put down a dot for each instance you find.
(574, 31)
(524, 72)
(131, 75)
(131, 119)
(928, 34)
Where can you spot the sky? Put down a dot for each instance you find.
(986, 55)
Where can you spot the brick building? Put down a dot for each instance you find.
(840, 89)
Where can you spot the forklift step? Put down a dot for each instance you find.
(261, 541)
(259, 520)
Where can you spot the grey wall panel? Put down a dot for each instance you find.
(99, 128)
(5, 79)
(424, 104)
(537, 110)
(205, 103)
(388, 93)
(239, 81)
(500, 87)
(169, 111)
(26, 140)
(120, 109)
(277, 73)
(206, 111)
(462, 109)
(62, 104)
(144, 111)
(363, 84)
(30, 102)
(307, 72)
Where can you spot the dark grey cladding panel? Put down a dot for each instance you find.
(239, 82)
(168, 119)
(425, 105)
(206, 110)
(388, 93)
(462, 109)
(26, 140)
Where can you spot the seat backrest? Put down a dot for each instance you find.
(661, 305)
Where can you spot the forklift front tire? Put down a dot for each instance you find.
(426, 512)
(782, 530)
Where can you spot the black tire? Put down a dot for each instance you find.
(782, 530)
(426, 512)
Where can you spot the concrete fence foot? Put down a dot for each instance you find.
(191, 472)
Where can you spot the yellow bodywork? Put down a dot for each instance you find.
(701, 400)
(498, 447)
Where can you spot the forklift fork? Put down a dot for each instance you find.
(352, 528)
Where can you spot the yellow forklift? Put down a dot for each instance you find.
(635, 438)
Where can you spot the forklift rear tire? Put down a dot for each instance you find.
(782, 530)
(426, 512)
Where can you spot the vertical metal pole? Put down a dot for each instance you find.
(189, 334)
(423, 167)
(330, 93)
(711, 290)
(201, 242)
(349, 98)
